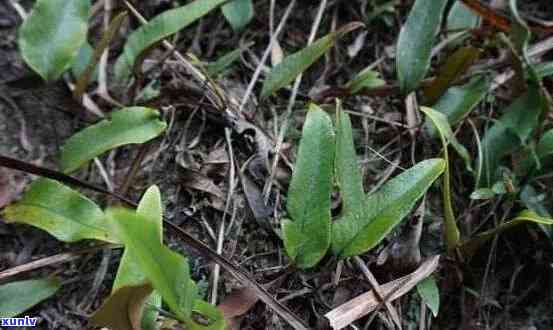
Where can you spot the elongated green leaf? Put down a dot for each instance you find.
(126, 126)
(224, 62)
(538, 204)
(17, 297)
(461, 18)
(510, 132)
(358, 232)
(348, 174)
(446, 135)
(50, 38)
(541, 156)
(217, 321)
(129, 272)
(469, 247)
(367, 78)
(544, 69)
(441, 124)
(307, 236)
(458, 102)
(294, 65)
(168, 271)
(81, 61)
(162, 26)
(415, 42)
(428, 290)
(545, 146)
(453, 68)
(61, 211)
(238, 13)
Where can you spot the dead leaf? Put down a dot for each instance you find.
(367, 302)
(277, 54)
(123, 308)
(454, 67)
(254, 196)
(411, 107)
(236, 304)
(198, 181)
(357, 45)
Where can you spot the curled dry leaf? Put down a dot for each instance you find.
(198, 181)
(238, 303)
(367, 302)
(123, 309)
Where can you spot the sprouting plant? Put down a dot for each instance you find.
(365, 220)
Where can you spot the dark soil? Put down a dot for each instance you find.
(508, 285)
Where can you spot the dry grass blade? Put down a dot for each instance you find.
(49, 261)
(84, 79)
(378, 291)
(362, 305)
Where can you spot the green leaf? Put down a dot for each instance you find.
(17, 297)
(126, 126)
(129, 272)
(541, 156)
(361, 230)
(213, 313)
(365, 221)
(415, 42)
(238, 13)
(162, 26)
(483, 193)
(294, 65)
(545, 146)
(61, 211)
(367, 78)
(307, 237)
(471, 246)
(223, 62)
(429, 293)
(458, 102)
(168, 271)
(544, 69)
(81, 61)
(453, 68)
(348, 174)
(461, 17)
(50, 38)
(537, 203)
(446, 136)
(511, 131)
(440, 122)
